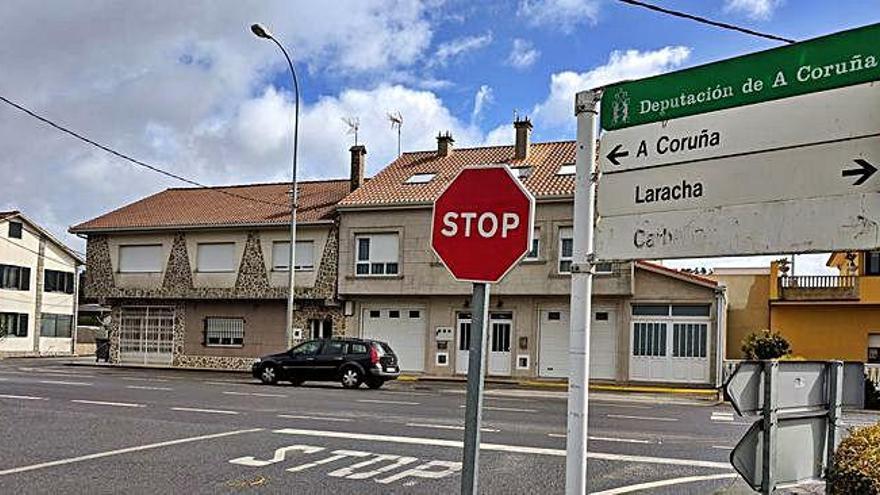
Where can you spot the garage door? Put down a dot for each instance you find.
(403, 329)
(553, 351)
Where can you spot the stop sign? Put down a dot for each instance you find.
(482, 224)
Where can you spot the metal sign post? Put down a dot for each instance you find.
(473, 415)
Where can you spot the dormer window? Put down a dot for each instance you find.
(566, 169)
(420, 178)
(521, 173)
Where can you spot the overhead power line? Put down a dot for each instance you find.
(44, 255)
(128, 158)
(704, 20)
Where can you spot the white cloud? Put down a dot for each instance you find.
(557, 111)
(460, 46)
(753, 9)
(483, 97)
(564, 15)
(523, 54)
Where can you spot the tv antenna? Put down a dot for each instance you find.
(396, 120)
(353, 124)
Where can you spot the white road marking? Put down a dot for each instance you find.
(143, 387)
(61, 382)
(56, 371)
(392, 402)
(315, 418)
(621, 406)
(722, 447)
(642, 418)
(722, 416)
(226, 384)
(102, 403)
(21, 397)
(447, 427)
(207, 411)
(254, 394)
(607, 439)
(669, 482)
(135, 379)
(506, 409)
(517, 449)
(127, 450)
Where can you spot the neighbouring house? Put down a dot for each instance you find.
(650, 324)
(198, 277)
(38, 292)
(748, 304)
(830, 316)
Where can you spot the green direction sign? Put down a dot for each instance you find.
(834, 61)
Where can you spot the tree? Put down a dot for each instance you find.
(765, 344)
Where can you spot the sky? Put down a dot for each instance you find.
(187, 87)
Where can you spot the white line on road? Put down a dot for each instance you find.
(254, 394)
(393, 402)
(21, 397)
(138, 448)
(506, 409)
(517, 449)
(607, 439)
(446, 427)
(135, 379)
(315, 418)
(228, 383)
(658, 484)
(621, 406)
(102, 403)
(722, 447)
(61, 382)
(143, 387)
(722, 416)
(208, 411)
(642, 418)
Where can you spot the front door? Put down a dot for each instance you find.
(501, 327)
(146, 335)
(464, 339)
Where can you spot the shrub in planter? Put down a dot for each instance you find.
(856, 464)
(765, 344)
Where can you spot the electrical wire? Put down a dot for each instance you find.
(704, 20)
(128, 158)
(44, 255)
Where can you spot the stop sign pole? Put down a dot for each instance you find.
(482, 225)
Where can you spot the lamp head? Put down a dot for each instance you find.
(260, 31)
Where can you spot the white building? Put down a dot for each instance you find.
(38, 289)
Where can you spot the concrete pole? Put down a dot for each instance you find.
(586, 111)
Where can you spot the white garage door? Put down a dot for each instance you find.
(403, 329)
(553, 353)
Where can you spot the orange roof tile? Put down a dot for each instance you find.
(254, 204)
(388, 187)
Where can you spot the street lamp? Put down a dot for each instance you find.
(262, 32)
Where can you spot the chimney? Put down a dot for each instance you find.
(358, 164)
(444, 144)
(523, 132)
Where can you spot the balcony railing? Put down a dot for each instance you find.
(819, 287)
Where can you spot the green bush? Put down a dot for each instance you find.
(765, 344)
(856, 464)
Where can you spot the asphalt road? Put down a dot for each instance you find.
(68, 429)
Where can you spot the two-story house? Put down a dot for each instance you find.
(198, 277)
(649, 323)
(38, 290)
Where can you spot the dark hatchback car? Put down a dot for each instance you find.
(349, 361)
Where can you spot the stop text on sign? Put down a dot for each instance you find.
(487, 224)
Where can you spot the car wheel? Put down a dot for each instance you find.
(269, 375)
(374, 384)
(351, 377)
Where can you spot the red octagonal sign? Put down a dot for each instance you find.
(482, 224)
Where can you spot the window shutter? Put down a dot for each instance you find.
(384, 248)
(304, 254)
(281, 255)
(25, 282)
(218, 257)
(143, 258)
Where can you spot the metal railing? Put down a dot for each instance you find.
(819, 282)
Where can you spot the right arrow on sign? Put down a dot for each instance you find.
(617, 153)
(865, 171)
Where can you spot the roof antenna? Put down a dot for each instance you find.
(353, 123)
(396, 120)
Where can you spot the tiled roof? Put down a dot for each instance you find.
(255, 204)
(388, 187)
(654, 267)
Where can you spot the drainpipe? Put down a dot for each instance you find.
(720, 337)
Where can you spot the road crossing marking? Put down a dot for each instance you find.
(642, 418)
(315, 418)
(206, 411)
(21, 397)
(103, 403)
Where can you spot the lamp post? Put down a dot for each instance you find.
(262, 32)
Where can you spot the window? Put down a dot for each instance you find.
(305, 256)
(224, 332)
(215, 257)
(394, 314)
(690, 310)
(689, 340)
(56, 281)
(464, 331)
(15, 277)
(603, 268)
(335, 348)
(13, 324)
(140, 258)
(535, 251)
(15, 230)
(650, 310)
(522, 173)
(321, 329)
(52, 325)
(377, 255)
(374, 313)
(415, 314)
(358, 348)
(874, 348)
(420, 178)
(601, 316)
(649, 339)
(566, 169)
(554, 316)
(872, 263)
(566, 249)
(309, 348)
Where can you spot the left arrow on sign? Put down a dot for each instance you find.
(617, 153)
(865, 171)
